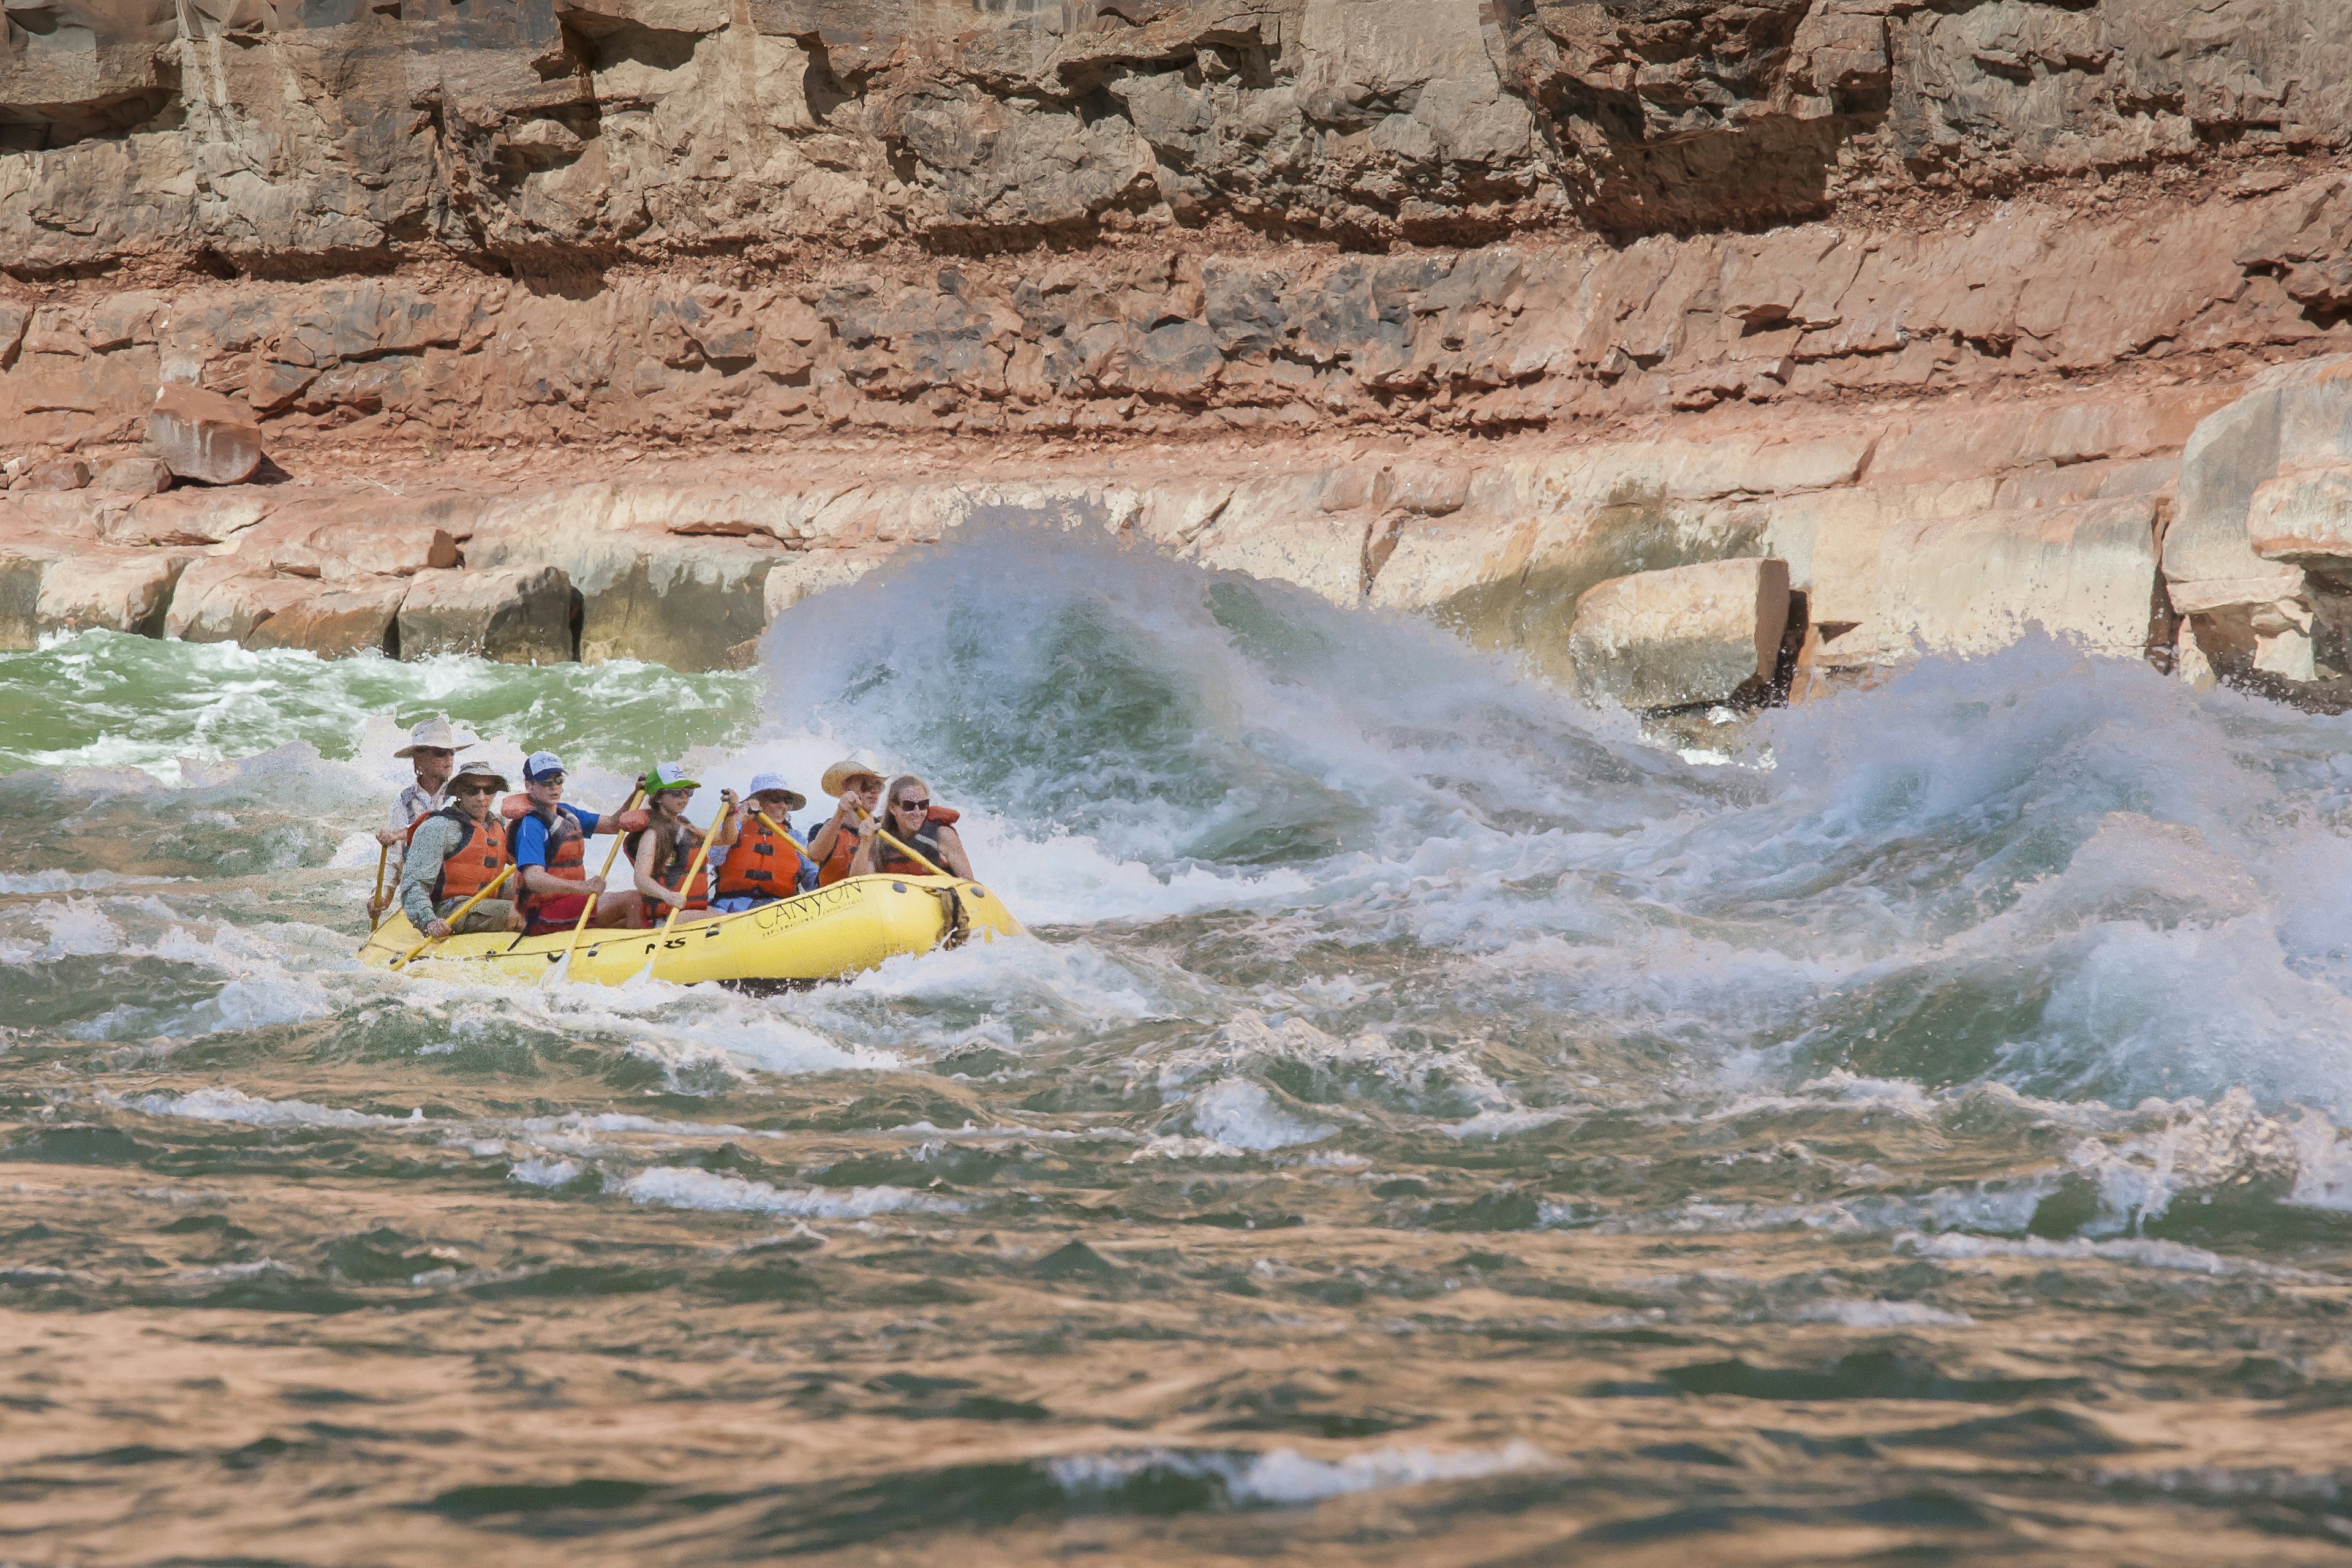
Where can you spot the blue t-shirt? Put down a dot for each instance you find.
(530, 833)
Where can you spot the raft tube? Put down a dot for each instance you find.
(853, 925)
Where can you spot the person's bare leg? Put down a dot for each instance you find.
(622, 910)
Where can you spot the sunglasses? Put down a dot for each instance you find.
(442, 752)
(923, 804)
(476, 789)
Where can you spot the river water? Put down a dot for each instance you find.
(1431, 1122)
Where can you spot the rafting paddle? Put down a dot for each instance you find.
(376, 900)
(699, 857)
(461, 913)
(590, 908)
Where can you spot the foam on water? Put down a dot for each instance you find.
(686, 1188)
(231, 1105)
(1287, 1478)
(1310, 876)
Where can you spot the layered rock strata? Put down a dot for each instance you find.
(540, 133)
(1460, 309)
(1133, 340)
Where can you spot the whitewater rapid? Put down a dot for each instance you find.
(1344, 932)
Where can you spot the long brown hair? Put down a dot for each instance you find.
(890, 791)
(670, 845)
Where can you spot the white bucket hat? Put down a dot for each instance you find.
(773, 783)
(435, 733)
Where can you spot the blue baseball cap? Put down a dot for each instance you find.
(540, 764)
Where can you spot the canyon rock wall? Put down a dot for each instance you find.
(1532, 333)
(266, 133)
(1925, 299)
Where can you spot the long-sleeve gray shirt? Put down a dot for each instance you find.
(435, 838)
(414, 801)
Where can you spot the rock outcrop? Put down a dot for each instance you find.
(516, 615)
(1682, 636)
(546, 134)
(1927, 301)
(201, 434)
(1950, 526)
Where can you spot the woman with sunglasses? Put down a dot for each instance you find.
(910, 816)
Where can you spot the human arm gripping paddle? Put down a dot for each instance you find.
(589, 907)
(700, 855)
(908, 850)
(786, 834)
(876, 832)
(461, 913)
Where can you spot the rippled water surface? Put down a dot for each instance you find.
(1431, 1124)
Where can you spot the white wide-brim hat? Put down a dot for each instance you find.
(436, 733)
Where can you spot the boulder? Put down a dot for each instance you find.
(222, 599)
(20, 598)
(134, 476)
(514, 616)
(119, 590)
(298, 545)
(683, 601)
(2292, 417)
(1682, 636)
(192, 517)
(56, 474)
(355, 615)
(2304, 518)
(203, 435)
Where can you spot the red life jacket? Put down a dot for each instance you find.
(762, 865)
(925, 842)
(474, 862)
(567, 856)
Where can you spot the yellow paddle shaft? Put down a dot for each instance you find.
(459, 913)
(589, 907)
(695, 870)
(908, 850)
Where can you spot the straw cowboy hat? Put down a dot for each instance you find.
(773, 783)
(848, 768)
(435, 733)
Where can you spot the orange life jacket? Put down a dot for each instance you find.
(925, 842)
(474, 862)
(836, 865)
(762, 865)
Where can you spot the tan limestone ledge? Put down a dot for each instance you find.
(1948, 524)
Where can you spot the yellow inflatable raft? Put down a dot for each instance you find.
(850, 926)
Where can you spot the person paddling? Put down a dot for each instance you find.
(766, 862)
(663, 853)
(550, 844)
(915, 822)
(433, 747)
(856, 783)
(456, 853)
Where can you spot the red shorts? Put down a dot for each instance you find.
(562, 914)
(557, 914)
